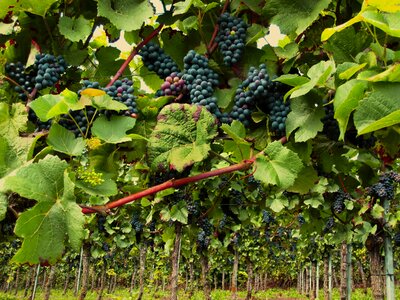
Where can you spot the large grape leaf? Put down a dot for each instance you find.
(54, 219)
(113, 130)
(294, 16)
(126, 15)
(346, 100)
(379, 109)
(32, 6)
(279, 166)
(64, 141)
(74, 29)
(181, 137)
(305, 116)
(12, 119)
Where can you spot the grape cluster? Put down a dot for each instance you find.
(105, 247)
(155, 59)
(258, 90)
(338, 203)
(206, 226)
(200, 81)
(101, 221)
(79, 122)
(362, 141)
(193, 208)
(301, 219)
(122, 91)
(386, 187)
(135, 222)
(173, 85)
(19, 74)
(39, 124)
(222, 222)
(267, 217)
(396, 239)
(203, 241)
(231, 37)
(331, 126)
(50, 69)
(329, 225)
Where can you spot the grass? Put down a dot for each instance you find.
(123, 294)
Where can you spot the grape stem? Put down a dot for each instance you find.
(134, 52)
(212, 45)
(173, 183)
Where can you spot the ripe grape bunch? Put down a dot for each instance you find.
(331, 126)
(122, 91)
(49, 69)
(329, 225)
(155, 59)
(200, 81)
(386, 187)
(173, 85)
(231, 37)
(258, 90)
(20, 75)
(338, 205)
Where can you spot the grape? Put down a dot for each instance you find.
(338, 204)
(206, 226)
(301, 219)
(222, 222)
(173, 85)
(202, 240)
(101, 220)
(386, 187)
(231, 37)
(50, 69)
(200, 81)
(236, 196)
(193, 208)
(329, 225)
(105, 247)
(122, 91)
(396, 239)
(39, 124)
(267, 217)
(135, 222)
(25, 79)
(155, 59)
(362, 141)
(258, 90)
(331, 126)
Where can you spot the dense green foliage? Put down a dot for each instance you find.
(121, 120)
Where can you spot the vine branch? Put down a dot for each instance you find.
(133, 53)
(173, 183)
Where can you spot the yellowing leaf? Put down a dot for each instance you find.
(92, 92)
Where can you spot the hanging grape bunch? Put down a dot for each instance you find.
(331, 126)
(19, 74)
(49, 69)
(155, 59)
(122, 91)
(200, 81)
(173, 85)
(231, 38)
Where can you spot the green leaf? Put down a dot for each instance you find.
(236, 131)
(181, 137)
(277, 203)
(328, 32)
(305, 181)
(346, 100)
(318, 75)
(12, 119)
(3, 206)
(377, 211)
(106, 102)
(294, 16)
(126, 15)
(74, 29)
(42, 105)
(107, 188)
(391, 74)
(379, 109)
(54, 219)
(305, 116)
(314, 202)
(179, 212)
(114, 130)
(280, 166)
(292, 79)
(32, 6)
(388, 22)
(346, 75)
(64, 141)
